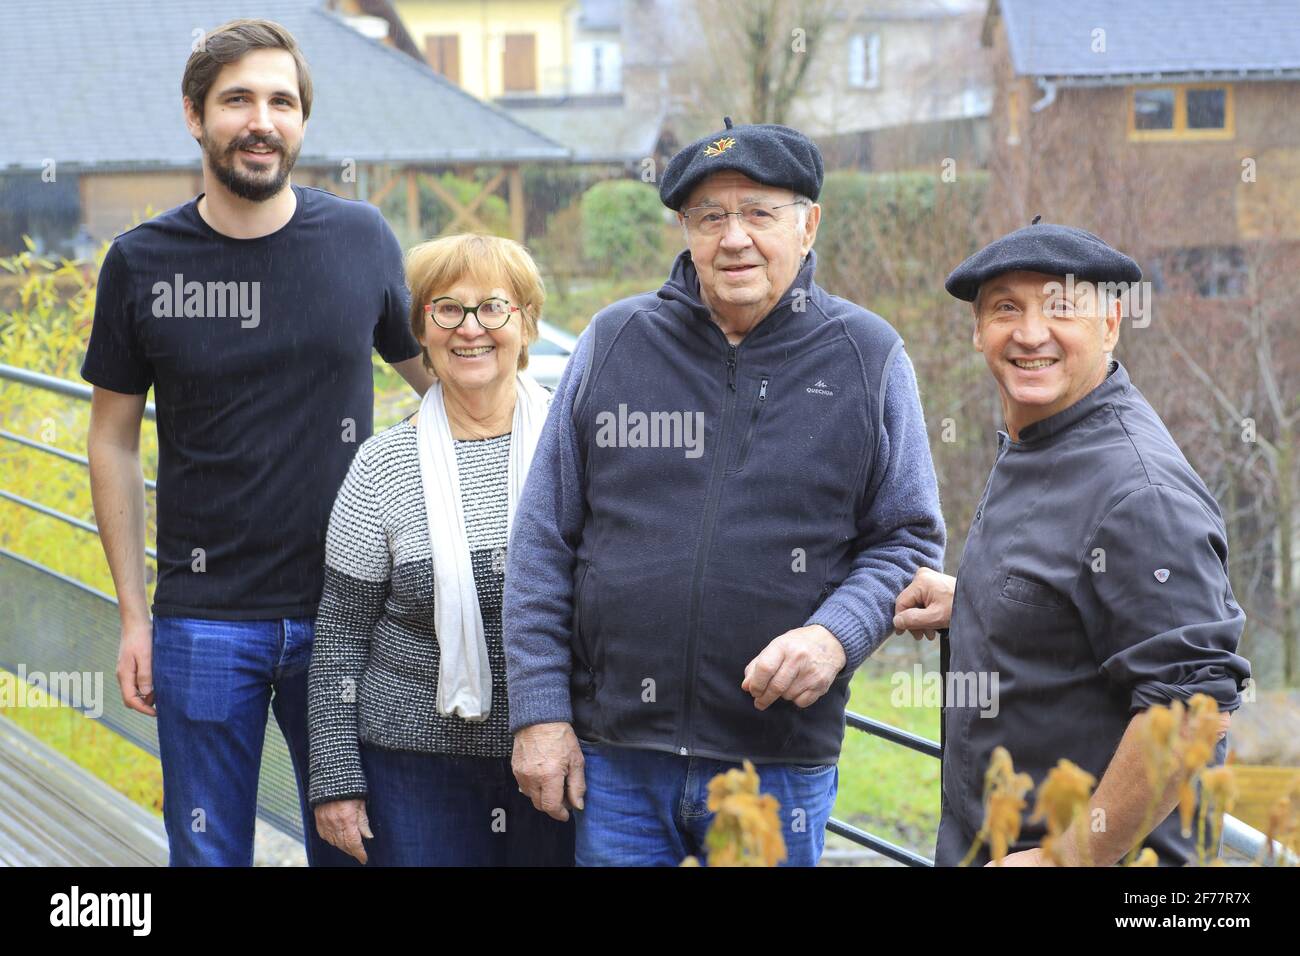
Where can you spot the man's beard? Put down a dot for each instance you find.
(255, 187)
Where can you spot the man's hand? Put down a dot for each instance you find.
(798, 666)
(548, 764)
(135, 667)
(925, 605)
(342, 823)
(1034, 857)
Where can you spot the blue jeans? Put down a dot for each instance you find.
(650, 808)
(213, 682)
(446, 810)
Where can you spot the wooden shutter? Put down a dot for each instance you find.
(443, 54)
(519, 63)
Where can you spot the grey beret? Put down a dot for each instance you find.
(766, 153)
(1043, 247)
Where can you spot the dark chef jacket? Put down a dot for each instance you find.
(1079, 651)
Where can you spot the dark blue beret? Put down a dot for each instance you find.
(766, 153)
(1043, 247)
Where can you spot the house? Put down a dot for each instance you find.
(557, 66)
(95, 134)
(899, 83)
(1169, 126)
(491, 49)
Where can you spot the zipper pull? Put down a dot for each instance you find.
(762, 391)
(731, 368)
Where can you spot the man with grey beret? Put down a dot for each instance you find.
(1094, 581)
(733, 484)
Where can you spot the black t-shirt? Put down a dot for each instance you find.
(258, 351)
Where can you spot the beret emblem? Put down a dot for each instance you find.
(719, 146)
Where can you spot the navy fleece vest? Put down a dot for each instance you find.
(703, 545)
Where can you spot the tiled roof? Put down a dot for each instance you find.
(96, 83)
(1055, 38)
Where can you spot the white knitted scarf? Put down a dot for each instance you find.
(464, 673)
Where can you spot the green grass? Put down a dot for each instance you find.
(887, 789)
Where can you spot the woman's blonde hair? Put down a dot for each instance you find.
(437, 265)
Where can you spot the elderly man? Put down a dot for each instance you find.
(1094, 581)
(733, 474)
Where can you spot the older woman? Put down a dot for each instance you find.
(410, 748)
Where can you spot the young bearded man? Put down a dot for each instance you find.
(251, 311)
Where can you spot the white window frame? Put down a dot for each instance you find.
(864, 61)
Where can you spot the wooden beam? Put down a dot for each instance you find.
(380, 194)
(488, 189)
(461, 212)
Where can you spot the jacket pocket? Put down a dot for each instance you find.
(760, 402)
(1030, 592)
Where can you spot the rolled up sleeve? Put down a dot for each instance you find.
(1156, 602)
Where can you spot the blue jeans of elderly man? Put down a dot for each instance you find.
(732, 485)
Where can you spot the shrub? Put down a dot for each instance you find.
(622, 226)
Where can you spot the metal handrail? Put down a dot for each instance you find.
(60, 453)
(59, 515)
(60, 386)
(893, 734)
(1243, 839)
(861, 837)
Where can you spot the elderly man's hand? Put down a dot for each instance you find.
(1034, 857)
(548, 764)
(925, 605)
(342, 823)
(799, 666)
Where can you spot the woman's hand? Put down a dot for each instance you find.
(342, 823)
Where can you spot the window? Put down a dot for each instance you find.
(1210, 272)
(1207, 109)
(976, 101)
(864, 60)
(519, 63)
(597, 67)
(1200, 111)
(443, 54)
(50, 212)
(1153, 109)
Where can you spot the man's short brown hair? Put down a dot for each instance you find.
(229, 43)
